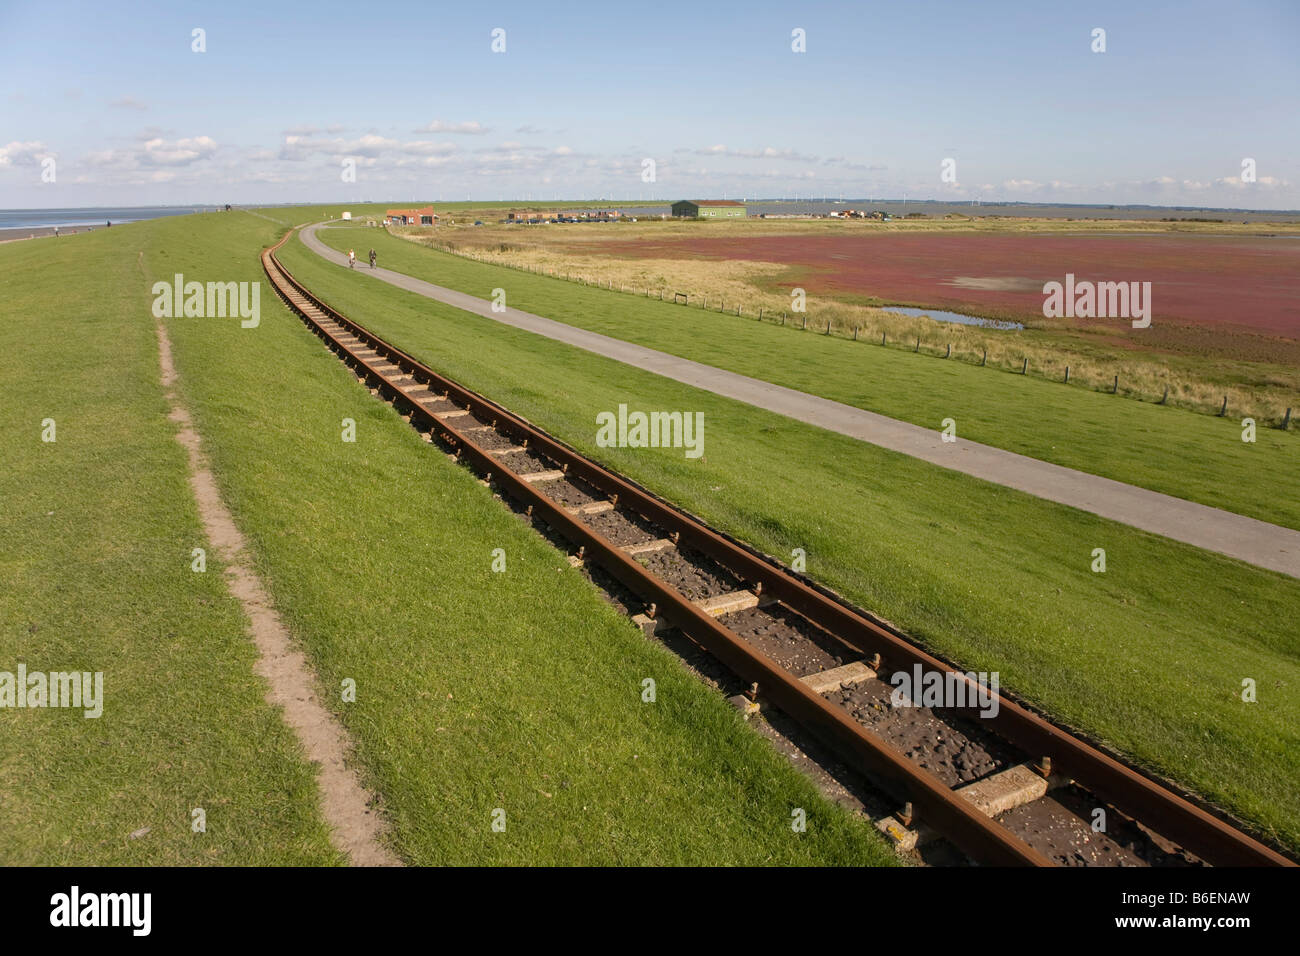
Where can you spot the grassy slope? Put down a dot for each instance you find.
(98, 529)
(476, 690)
(1191, 456)
(1149, 656)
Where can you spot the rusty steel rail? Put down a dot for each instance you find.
(1169, 813)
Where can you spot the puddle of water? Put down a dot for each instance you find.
(941, 316)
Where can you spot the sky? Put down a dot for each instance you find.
(106, 103)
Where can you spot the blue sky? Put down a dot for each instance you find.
(286, 93)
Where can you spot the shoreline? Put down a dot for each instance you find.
(14, 234)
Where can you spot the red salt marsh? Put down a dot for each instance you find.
(1246, 283)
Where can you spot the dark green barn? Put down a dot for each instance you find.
(708, 209)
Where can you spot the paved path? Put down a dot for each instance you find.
(1247, 539)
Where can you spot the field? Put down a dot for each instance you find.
(1225, 320)
(98, 529)
(475, 690)
(1165, 449)
(984, 576)
(990, 578)
(1193, 277)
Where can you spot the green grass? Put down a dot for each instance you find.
(475, 690)
(97, 530)
(1148, 657)
(1192, 456)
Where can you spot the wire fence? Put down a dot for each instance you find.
(1108, 382)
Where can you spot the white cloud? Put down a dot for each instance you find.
(180, 152)
(297, 147)
(23, 154)
(1234, 182)
(767, 152)
(107, 158)
(472, 128)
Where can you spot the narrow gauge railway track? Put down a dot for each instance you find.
(590, 506)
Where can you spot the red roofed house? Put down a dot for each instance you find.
(410, 217)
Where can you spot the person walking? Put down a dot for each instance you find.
(352, 259)
(373, 257)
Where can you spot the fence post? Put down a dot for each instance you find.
(855, 333)
(984, 360)
(1024, 369)
(1224, 410)
(1165, 395)
(948, 354)
(805, 322)
(918, 345)
(760, 315)
(1115, 389)
(1067, 375)
(1287, 420)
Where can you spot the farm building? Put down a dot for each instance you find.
(410, 217)
(584, 215)
(708, 209)
(530, 216)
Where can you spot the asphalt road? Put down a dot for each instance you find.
(1247, 539)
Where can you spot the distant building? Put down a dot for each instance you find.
(410, 217)
(709, 209)
(347, 215)
(532, 217)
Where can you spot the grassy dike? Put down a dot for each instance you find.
(476, 691)
(1198, 457)
(1148, 657)
(97, 530)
